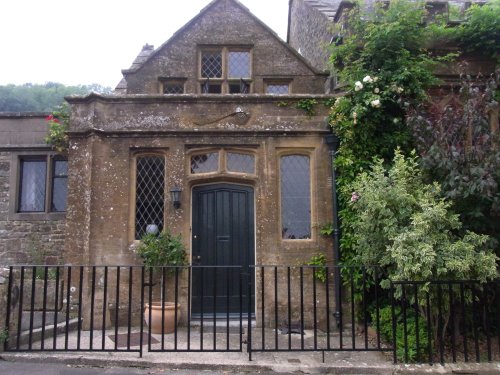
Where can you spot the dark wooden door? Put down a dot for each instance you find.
(223, 235)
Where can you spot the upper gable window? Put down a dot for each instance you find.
(277, 87)
(172, 85)
(239, 64)
(225, 70)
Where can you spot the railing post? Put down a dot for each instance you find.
(249, 315)
(394, 326)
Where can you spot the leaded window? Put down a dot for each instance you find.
(205, 163)
(173, 88)
(279, 89)
(150, 193)
(225, 70)
(33, 185)
(211, 64)
(295, 197)
(239, 64)
(43, 184)
(59, 185)
(241, 163)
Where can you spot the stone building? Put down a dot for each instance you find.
(214, 116)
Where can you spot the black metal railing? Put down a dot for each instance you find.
(267, 307)
(445, 321)
(296, 311)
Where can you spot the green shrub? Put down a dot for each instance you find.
(163, 249)
(386, 332)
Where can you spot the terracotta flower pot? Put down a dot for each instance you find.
(156, 315)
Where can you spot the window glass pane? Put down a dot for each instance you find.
(60, 168)
(173, 88)
(59, 194)
(211, 88)
(150, 192)
(295, 197)
(242, 163)
(211, 65)
(59, 186)
(32, 193)
(205, 163)
(277, 89)
(239, 64)
(241, 87)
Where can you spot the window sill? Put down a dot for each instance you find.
(38, 216)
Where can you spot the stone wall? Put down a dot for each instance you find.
(26, 241)
(309, 32)
(25, 238)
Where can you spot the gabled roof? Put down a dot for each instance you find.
(136, 66)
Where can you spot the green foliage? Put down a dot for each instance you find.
(319, 261)
(41, 98)
(4, 336)
(390, 43)
(458, 149)
(403, 225)
(307, 105)
(481, 30)
(386, 67)
(163, 249)
(386, 332)
(326, 229)
(58, 125)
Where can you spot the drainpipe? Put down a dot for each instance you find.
(333, 142)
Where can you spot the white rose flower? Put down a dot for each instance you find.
(375, 103)
(399, 90)
(377, 90)
(375, 79)
(358, 86)
(368, 79)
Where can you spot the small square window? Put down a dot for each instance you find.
(205, 163)
(240, 87)
(278, 88)
(211, 88)
(173, 88)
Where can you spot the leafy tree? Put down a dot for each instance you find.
(41, 98)
(406, 228)
(459, 150)
(481, 30)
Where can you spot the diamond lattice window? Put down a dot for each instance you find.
(173, 88)
(295, 197)
(239, 64)
(241, 163)
(211, 64)
(32, 186)
(205, 163)
(150, 193)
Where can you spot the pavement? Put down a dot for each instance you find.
(332, 362)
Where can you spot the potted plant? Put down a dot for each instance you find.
(157, 250)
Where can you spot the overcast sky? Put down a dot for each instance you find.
(91, 41)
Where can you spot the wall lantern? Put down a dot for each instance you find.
(175, 195)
